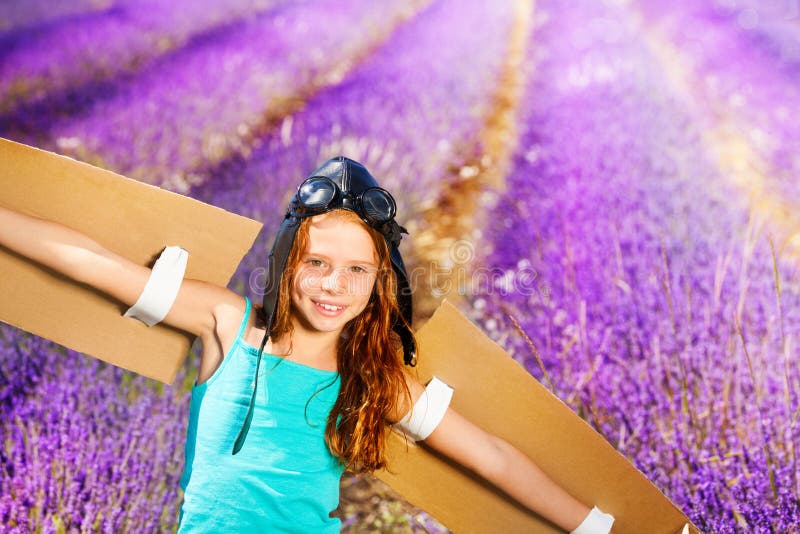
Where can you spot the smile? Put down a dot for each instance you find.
(328, 307)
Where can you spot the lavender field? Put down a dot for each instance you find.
(627, 170)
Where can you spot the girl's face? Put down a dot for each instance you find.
(335, 275)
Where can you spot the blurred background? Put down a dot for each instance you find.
(609, 189)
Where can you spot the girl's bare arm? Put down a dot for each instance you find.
(507, 468)
(499, 462)
(82, 259)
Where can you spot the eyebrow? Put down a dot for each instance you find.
(351, 262)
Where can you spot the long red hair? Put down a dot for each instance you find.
(373, 380)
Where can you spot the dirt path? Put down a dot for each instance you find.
(448, 232)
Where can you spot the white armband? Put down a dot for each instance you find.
(595, 523)
(161, 288)
(427, 412)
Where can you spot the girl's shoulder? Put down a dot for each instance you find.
(203, 307)
(405, 403)
(230, 316)
(233, 315)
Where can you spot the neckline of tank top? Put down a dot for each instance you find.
(254, 351)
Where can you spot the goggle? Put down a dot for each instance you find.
(319, 194)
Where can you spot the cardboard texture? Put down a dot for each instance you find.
(128, 217)
(496, 393)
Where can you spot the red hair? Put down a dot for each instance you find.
(373, 380)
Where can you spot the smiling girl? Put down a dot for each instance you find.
(292, 393)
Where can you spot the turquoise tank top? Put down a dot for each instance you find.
(284, 479)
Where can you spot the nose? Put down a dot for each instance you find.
(334, 281)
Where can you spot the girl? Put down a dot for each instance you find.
(266, 445)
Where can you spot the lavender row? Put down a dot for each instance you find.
(24, 14)
(744, 64)
(63, 57)
(637, 274)
(205, 101)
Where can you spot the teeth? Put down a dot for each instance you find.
(329, 307)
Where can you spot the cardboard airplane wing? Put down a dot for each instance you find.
(493, 391)
(128, 217)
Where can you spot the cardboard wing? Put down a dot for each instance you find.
(128, 217)
(497, 394)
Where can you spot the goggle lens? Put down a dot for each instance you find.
(378, 205)
(316, 193)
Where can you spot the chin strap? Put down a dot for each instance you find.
(409, 347)
(237, 445)
(406, 309)
(278, 257)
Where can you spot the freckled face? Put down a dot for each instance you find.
(335, 275)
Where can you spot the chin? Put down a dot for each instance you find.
(326, 326)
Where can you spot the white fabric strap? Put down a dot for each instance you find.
(161, 288)
(427, 412)
(595, 523)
